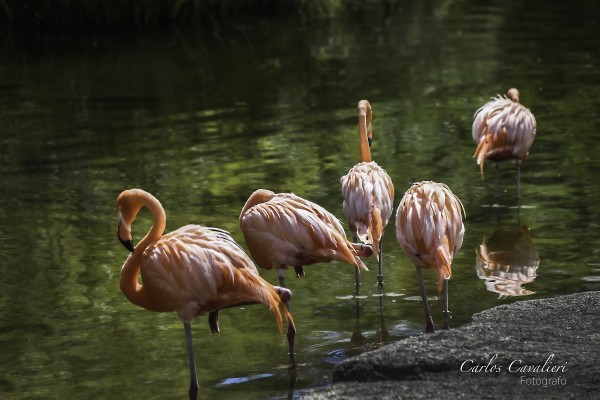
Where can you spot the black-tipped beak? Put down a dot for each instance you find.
(370, 141)
(128, 244)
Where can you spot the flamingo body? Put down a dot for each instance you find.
(503, 129)
(430, 230)
(196, 270)
(284, 230)
(368, 191)
(368, 201)
(193, 271)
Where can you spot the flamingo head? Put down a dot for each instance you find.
(513, 94)
(128, 206)
(364, 109)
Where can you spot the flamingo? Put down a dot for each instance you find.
(194, 270)
(368, 192)
(284, 230)
(503, 129)
(430, 231)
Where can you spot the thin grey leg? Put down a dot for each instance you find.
(380, 276)
(291, 337)
(282, 281)
(446, 312)
(497, 165)
(519, 184)
(193, 392)
(428, 319)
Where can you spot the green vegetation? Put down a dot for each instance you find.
(77, 15)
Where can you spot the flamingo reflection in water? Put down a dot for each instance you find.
(430, 231)
(368, 192)
(193, 271)
(284, 230)
(507, 260)
(503, 129)
(381, 334)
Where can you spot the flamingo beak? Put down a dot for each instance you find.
(370, 141)
(128, 243)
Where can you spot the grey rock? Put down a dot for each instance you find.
(487, 358)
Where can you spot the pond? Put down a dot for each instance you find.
(202, 118)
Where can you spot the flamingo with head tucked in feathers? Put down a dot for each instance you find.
(193, 271)
(430, 230)
(503, 129)
(284, 230)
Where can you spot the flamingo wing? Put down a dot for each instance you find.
(503, 129)
(291, 231)
(429, 226)
(320, 212)
(367, 186)
(195, 270)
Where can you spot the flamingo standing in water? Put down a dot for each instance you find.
(503, 129)
(284, 230)
(430, 230)
(194, 270)
(368, 192)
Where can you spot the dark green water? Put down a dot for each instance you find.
(201, 119)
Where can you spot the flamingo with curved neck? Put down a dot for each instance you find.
(194, 270)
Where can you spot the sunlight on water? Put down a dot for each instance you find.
(243, 379)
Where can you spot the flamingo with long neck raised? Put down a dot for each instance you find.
(193, 271)
(368, 192)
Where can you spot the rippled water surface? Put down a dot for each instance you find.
(203, 118)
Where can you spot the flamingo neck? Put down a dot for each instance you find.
(364, 126)
(258, 197)
(130, 286)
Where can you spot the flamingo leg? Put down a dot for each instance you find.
(428, 319)
(382, 333)
(213, 321)
(293, 375)
(357, 335)
(280, 274)
(299, 271)
(519, 184)
(193, 392)
(286, 295)
(446, 312)
(497, 164)
(380, 276)
(357, 272)
(291, 337)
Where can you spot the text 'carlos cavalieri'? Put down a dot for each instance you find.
(521, 367)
